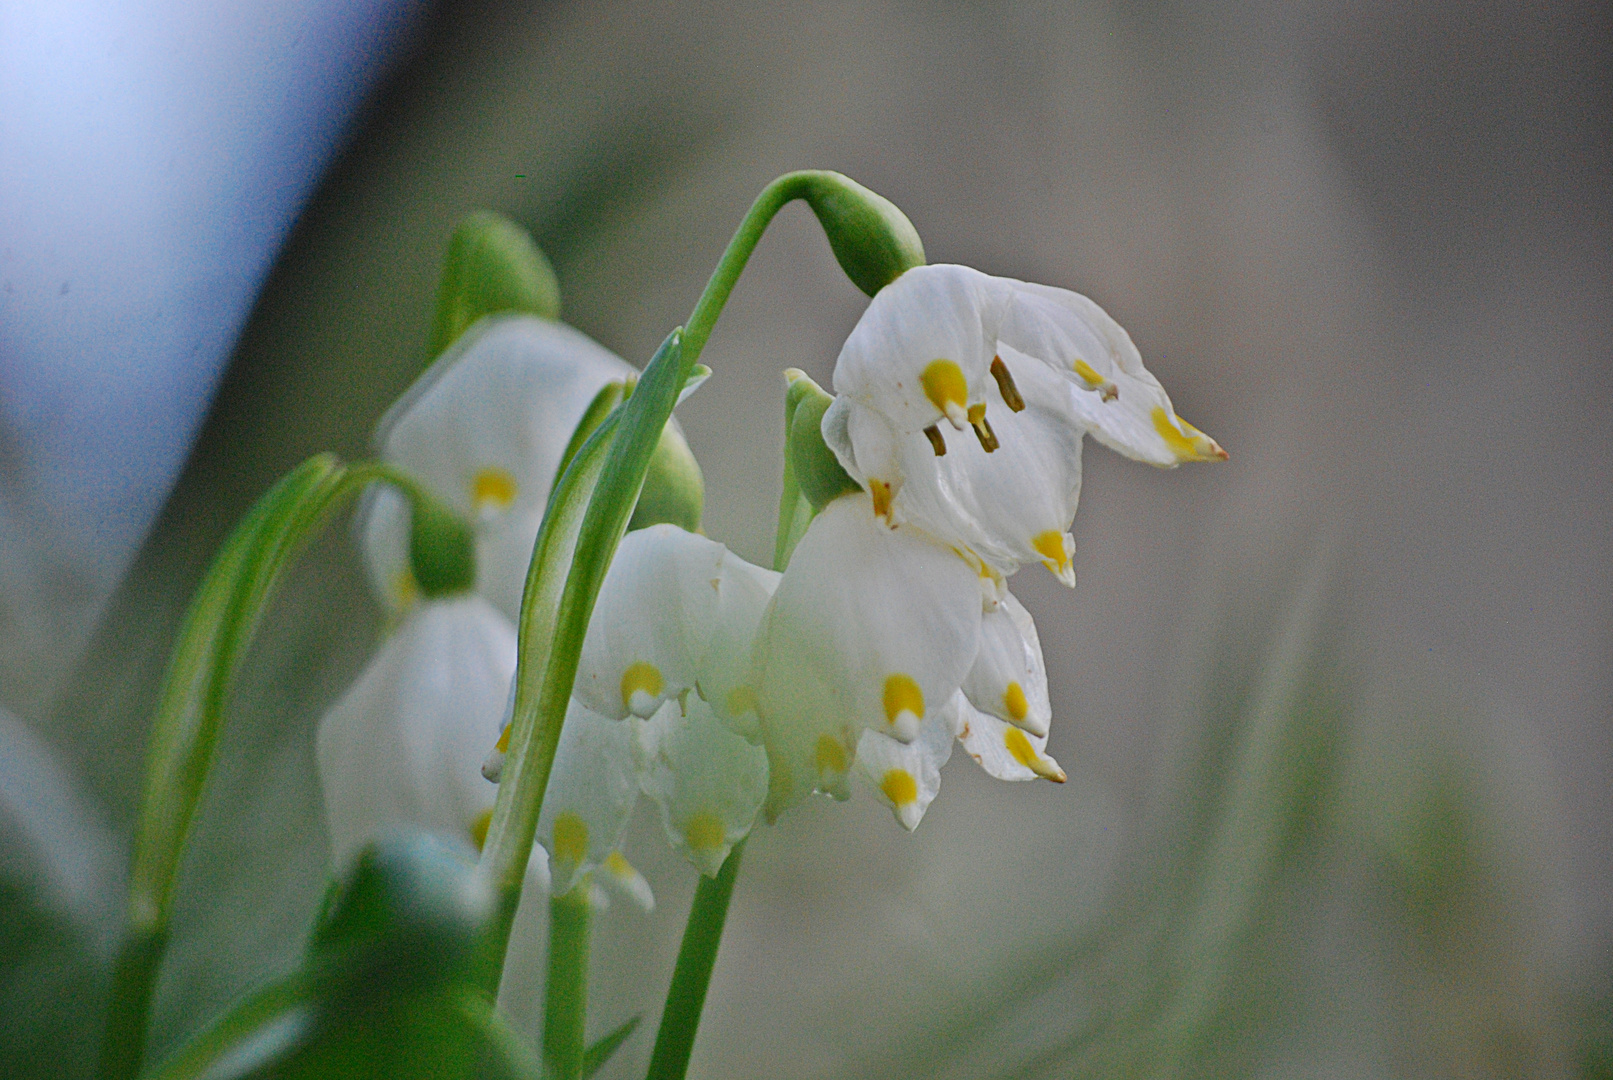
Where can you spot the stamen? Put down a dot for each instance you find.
(1094, 381)
(982, 426)
(937, 443)
(1005, 384)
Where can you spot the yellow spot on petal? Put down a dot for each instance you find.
(1094, 381)
(503, 744)
(741, 699)
(479, 827)
(830, 755)
(1054, 548)
(570, 838)
(902, 695)
(405, 591)
(899, 786)
(705, 832)
(1024, 753)
(640, 678)
(1194, 445)
(880, 492)
(492, 488)
(947, 390)
(1014, 701)
(619, 867)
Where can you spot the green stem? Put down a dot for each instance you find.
(565, 996)
(217, 631)
(581, 530)
(686, 997)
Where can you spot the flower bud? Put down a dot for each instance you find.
(872, 240)
(492, 266)
(817, 470)
(442, 549)
(674, 490)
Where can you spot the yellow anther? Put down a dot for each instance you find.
(903, 698)
(1005, 384)
(641, 686)
(831, 755)
(1193, 445)
(741, 700)
(618, 866)
(899, 786)
(1056, 549)
(1014, 702)
(704, 832)
(492, 488)
(947, 390)
(1094, 381)
(982, 426)
(570, 838)
(479, 826)
(1024, 753)
(937, 443)
(880, 492)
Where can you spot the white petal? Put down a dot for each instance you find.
(907, 776)
(929, 315)
(871, 627)
(591, 792)
(404, 745)
(675, 612)
(1009, 678)
(1004, 751)
(624, 877)
(1112, 394)
(484, 429)
(708, 781)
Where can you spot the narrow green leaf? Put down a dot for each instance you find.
(268, 1025)
(600, 1052)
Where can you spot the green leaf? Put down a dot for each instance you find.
(493, 265)
(595, 1056)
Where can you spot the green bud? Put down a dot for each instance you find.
(493, 265)
(442, 548)
(817, 470)
(872, 240)
(674, 490)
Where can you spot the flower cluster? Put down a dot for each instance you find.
(719, 689)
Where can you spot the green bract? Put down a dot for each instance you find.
(442, 548)
(816, 469)
(674, 489)
(492, 266)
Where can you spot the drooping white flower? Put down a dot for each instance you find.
(592, 788)
(676, 612)
(1003, 750)
(1030, 369)
(484, 430)
(907, 776)
(1009, 677)
(403, 746)
(871, 628)
(708, 782)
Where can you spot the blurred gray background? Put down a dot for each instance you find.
(1335, 714)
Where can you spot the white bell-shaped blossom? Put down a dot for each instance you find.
(871, 628)
(1003, 750)
(907, 776)
(404, 745)
(676, 612)
(708, 781)
(592, 788)
(1009, 677)
(484, 430)
(1030, 369)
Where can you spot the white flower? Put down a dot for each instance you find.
(1003, 750)
(870, 628)
(1009, 678)
(484, 430)
(403, 746)
(708, 781)
(676, 612)
(1030, 369)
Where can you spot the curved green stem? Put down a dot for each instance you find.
(213, 639)
(697, 956)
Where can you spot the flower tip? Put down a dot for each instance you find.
(493, 767)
